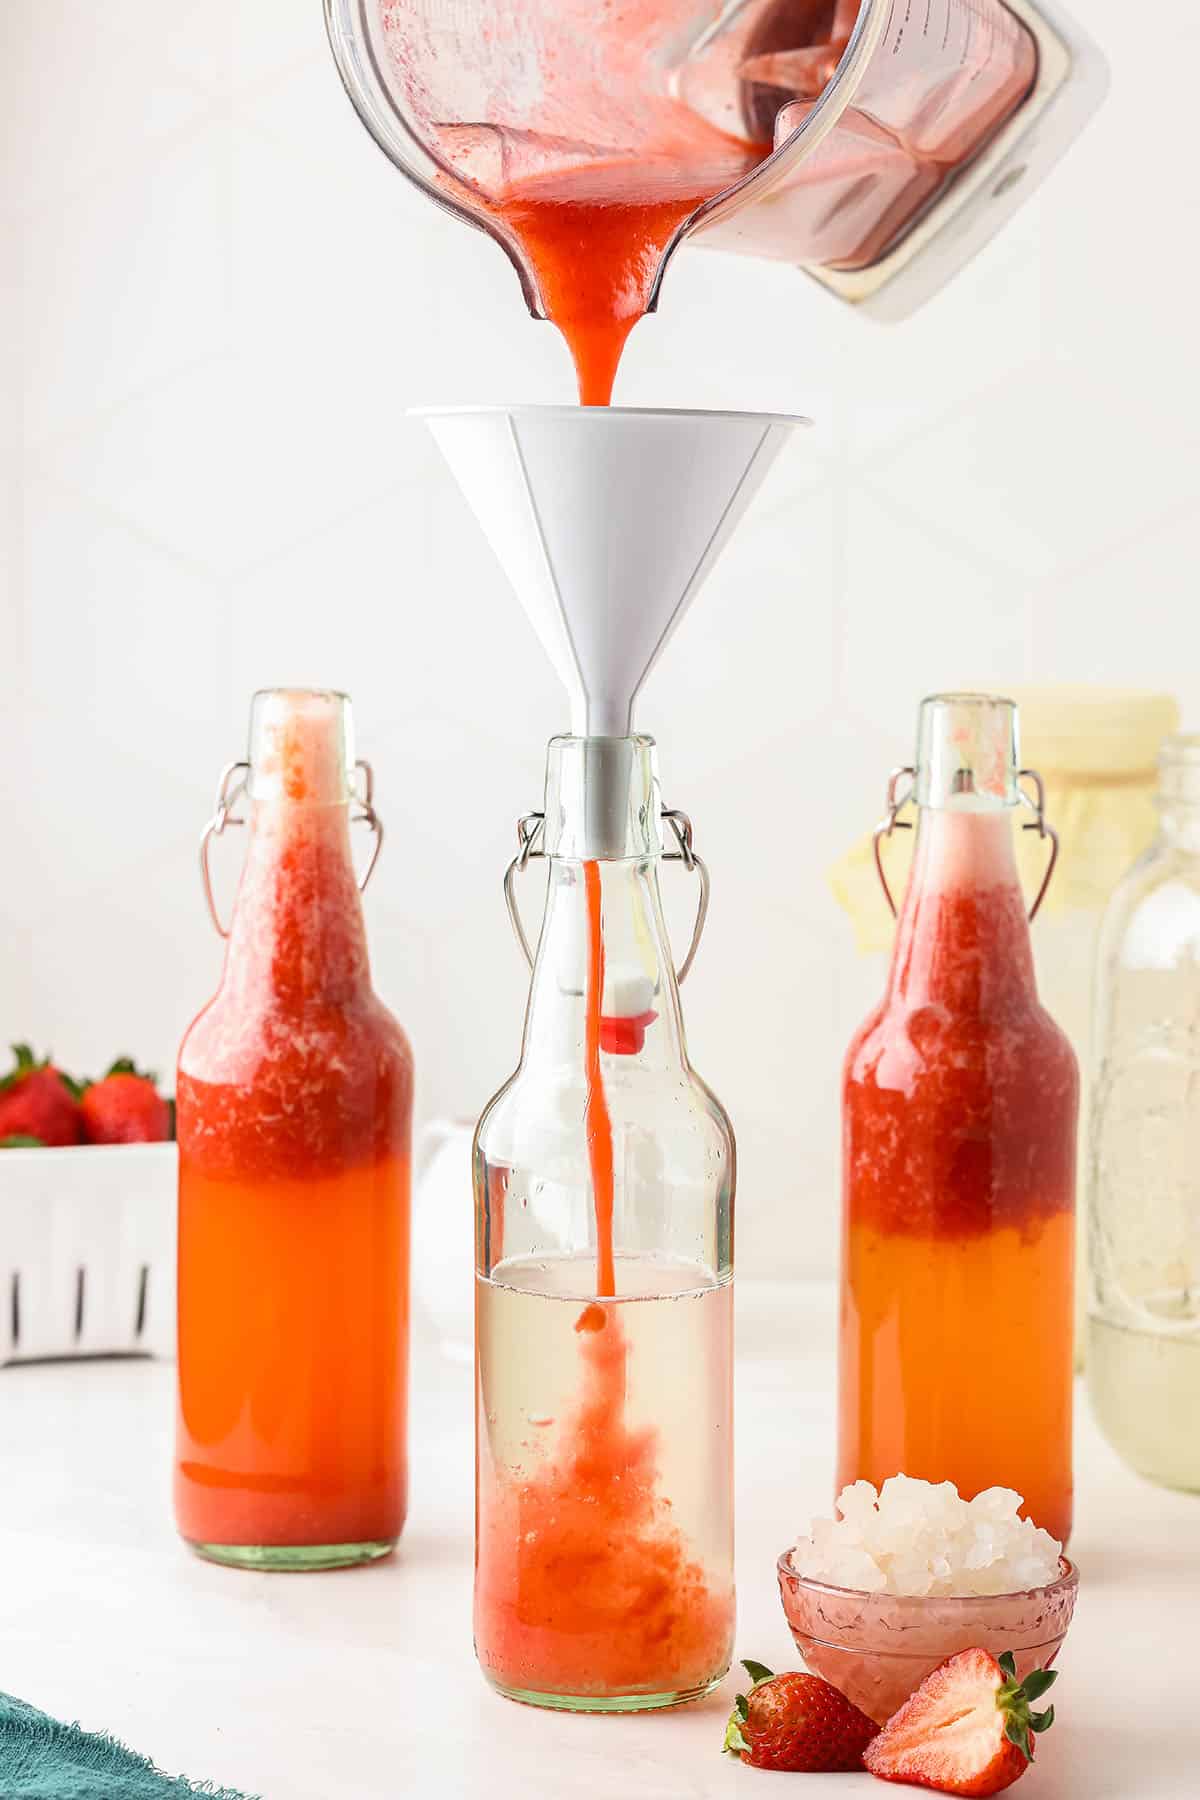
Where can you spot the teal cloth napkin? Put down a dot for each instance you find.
(41, 1759)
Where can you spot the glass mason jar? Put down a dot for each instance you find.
(1096, 749)
(604, 1183)
(1144, 1161)
(959, 1114)
(294, 1121)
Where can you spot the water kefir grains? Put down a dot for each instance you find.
(591, 1566)
(921, 1538)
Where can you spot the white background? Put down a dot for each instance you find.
(218, 299)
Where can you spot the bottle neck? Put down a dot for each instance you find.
(640, 1021)
(298, 938)
(962, 941)
(1179, 794)
(1179, 827)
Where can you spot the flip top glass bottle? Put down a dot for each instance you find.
(604, 1186)
(959, 1110)
(294, 1119)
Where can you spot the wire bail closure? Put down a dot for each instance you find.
(898, 800)
(530, 831)
(234, 779)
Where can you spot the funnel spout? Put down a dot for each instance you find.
(606, 521)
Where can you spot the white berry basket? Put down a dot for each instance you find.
(87, 1252)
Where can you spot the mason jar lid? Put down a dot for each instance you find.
(1094, 731)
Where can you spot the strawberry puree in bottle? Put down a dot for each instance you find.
(294, 1122)
(604, 1181)
(959, 1110)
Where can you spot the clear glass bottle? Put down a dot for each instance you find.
(1144, 1151)
(294, 1105)
(959, 1112)
(604, 1185)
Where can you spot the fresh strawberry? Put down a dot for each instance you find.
(797, 1722)
(967, 1729)
(38, 1103)
(125, 1108)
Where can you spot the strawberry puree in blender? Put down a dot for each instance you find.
(960, 1096)
(595, 237)
(294, 1108)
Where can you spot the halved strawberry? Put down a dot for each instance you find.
(39, 1105)
(968, 1728)
(796, 1722)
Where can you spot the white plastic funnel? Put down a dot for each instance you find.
(606, 520)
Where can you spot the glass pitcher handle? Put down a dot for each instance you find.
(897, 800)
(529, 831)
(234, 777)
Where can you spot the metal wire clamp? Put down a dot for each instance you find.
(896, 801)
(530, 831)
(234, 777)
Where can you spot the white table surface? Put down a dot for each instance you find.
(362, 1685)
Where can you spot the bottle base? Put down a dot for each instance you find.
(605, 1703)
(293, 1559)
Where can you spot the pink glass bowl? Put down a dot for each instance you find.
(878, 1647)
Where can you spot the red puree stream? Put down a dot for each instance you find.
(586, 1586)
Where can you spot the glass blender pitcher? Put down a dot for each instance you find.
(875, 143)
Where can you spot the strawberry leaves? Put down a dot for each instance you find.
(1013, 1700)
(735, 1742)
(25, 1063)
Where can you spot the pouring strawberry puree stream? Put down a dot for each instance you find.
(587, 1587)
(595, 242)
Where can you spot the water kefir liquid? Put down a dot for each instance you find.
(294, 1107)
(603, 1502)
(604, 1532)
(1145, 1392)
(958, 1252)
